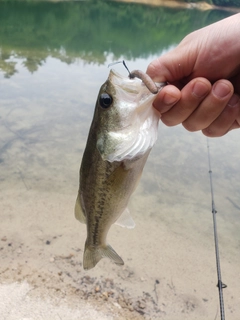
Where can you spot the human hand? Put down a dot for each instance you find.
(203, 73)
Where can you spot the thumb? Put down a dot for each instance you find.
(172, 67)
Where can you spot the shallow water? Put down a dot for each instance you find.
(50, 73)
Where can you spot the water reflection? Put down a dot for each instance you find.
(90, 30)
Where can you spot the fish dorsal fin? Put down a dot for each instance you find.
(125, 220)
(79, 214)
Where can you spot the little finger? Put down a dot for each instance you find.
(224, 122)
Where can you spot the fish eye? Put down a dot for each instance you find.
(105, 100)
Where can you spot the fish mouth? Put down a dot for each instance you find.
(130, 93)
(123, 82)
(131, 85)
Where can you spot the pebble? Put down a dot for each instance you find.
(142, 305)
(117, 305)
(130, 308)
(51, 259)
(97, 288)
(122, 303)
(4, 238)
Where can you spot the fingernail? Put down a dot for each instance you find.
(200, 89)
(169, 100)
(221, 89)
(233, 101)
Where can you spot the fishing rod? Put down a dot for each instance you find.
(220, 285)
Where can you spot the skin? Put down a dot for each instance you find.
(203, 73)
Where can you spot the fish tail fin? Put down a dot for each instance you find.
(92, 255)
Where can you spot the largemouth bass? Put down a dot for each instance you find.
(123, 131)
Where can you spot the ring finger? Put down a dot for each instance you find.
(226, 120)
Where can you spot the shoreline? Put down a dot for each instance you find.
(203, 6)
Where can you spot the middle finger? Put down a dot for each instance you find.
(211, 107)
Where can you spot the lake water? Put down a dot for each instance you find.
(53, 59)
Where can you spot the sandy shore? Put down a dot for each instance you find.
(202, 5)
(166, 275)
(174, 4)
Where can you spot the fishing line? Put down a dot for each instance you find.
(220, 285)
(123, 62)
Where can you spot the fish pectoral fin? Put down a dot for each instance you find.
(125, 220)
(92, 255)
(79, 215)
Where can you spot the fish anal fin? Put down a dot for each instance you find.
(79, 214)
(125, 220)
(92, 255)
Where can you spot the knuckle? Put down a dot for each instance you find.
(152, 69)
